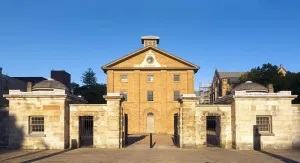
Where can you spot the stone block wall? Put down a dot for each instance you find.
(247, 107)
(192, 123)
(107, 123)
(296, 126)
(222, 111)
(53, 111)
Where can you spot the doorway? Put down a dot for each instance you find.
(175, 136)
(86, 125)
(213, 129)
(150, 123)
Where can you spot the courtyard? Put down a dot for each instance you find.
(205, 155)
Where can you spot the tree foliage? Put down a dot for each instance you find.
(268, 74)
(91, 91)
(89, 77)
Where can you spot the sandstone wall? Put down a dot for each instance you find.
(224, 112)
(296, 126)
(107, 128)
(192, 123)
(53, 110)
(248, 108)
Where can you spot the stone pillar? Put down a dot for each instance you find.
(187, 129)
(114, 120)
(29, 86)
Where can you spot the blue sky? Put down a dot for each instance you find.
(37, 36)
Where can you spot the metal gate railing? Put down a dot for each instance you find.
(86, 125)
(212, 131)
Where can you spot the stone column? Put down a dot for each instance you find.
(114, 120)
(187, 129)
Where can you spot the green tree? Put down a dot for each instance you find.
(93, 94)
(89, 77)
(268, 74)
(75, 88)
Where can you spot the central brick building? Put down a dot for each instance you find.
(151, 80)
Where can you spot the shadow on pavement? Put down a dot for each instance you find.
(152, 145)
(284, 159)
(22, 155)
(47, 156)
(133, 139)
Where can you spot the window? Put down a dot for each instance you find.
(176, 78)
(150, 78)
(149, 95)
(176, 95)
(123, 78)
(264, 124)
(36, 124)
(124, 93)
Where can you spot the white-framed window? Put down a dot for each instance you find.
(176, 95)
(176, 77)
(149, 95)
(123, 78)
(125, 95)
(36, 124)
(264, 124)
(150, 78)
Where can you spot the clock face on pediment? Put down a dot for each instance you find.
(150, 59)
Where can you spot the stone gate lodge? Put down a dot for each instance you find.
(152, 91)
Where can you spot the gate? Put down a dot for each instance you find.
(125, 130)
(175, 137)
(213, 131)
(86, 131)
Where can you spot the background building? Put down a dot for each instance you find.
(222, 83)
(204, 93)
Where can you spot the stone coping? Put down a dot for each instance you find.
(88, 104)
(214, 105)
(270, 96)
(262, 94)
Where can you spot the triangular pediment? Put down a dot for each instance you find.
(150, 58)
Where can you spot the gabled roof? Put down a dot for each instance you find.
(230, 74)
(137, 52)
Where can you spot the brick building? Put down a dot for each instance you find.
(151, 80)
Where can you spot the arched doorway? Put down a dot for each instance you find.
(150, 122)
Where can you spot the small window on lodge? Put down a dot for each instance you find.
(150, 78)
(124, 93)
(149, 95)
(123, 78)
(176, 78)
(36, 124)
(263, 124)
(176, 95)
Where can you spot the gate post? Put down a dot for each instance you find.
(114, 120)
(187, 123)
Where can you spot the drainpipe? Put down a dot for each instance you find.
(181, 131)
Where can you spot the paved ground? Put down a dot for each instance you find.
(207, 155)
(143, 141)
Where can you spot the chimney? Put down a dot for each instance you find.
(29, 86)
(150, 41)
(62, 76)
(270, 88)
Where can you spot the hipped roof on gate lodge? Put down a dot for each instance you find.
(190, 65)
